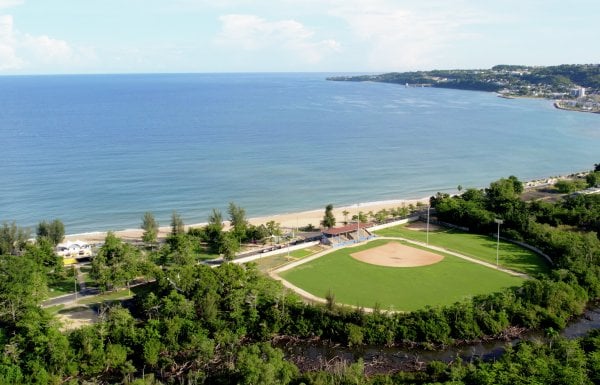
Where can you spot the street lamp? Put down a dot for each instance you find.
(75, 277)
(499, 222)
(358, 223)
(428, 207)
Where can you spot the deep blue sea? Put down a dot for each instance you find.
(97, 151)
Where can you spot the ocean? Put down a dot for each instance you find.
(97, 151)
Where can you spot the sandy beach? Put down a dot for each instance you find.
(304, 218)
(289, 220)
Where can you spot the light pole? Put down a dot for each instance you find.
(75, 277)
(499, 222)
(289, 243)
(428, 207)
(358, 223)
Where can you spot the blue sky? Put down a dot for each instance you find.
(125, 36)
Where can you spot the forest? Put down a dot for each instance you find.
(190, 323)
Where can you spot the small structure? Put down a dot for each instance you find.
(346, 235)
(77, 249)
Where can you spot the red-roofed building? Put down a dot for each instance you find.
(352, 233)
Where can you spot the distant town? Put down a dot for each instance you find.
(572, 86)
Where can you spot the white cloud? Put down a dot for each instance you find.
(252, 33)
(8, 55)
(22, 51)
(10, 3)
(402, 36)
(47, 49)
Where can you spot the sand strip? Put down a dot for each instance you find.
(290, 220)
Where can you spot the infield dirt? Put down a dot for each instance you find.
(395, 254)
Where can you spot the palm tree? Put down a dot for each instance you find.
(345, 212)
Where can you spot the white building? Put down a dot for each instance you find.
(74, 249)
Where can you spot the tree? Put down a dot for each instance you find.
(593, 179)
(177, 226)
(503, 195)
(257, 233)
(345, 213)
(22, 285)
(150, 227)
(53, 231)
(568, 186)
(116, 263)
(237, 218)
(328, 219)
(12, 238)
(263, 364)
(273, 228)
(42, 253)
(214, 230)
(229, 246)
(361, 217)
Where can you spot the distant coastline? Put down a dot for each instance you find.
(568, 105)
(575, 86)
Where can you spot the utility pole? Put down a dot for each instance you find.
(428, 207)
(499, 222)
(75, 279)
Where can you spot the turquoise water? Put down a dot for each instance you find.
(99, 151)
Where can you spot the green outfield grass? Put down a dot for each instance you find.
(477, 246)
(266, 263)
(362, 284)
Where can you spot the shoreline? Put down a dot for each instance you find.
(291, 220)
(559, 105)
(294, 220)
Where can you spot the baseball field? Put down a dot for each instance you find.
(396, 276)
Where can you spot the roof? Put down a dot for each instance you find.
(345, 229)
(69, 244)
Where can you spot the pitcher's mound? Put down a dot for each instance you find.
(394, 254)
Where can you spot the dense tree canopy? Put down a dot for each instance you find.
(53, 231)
(12, 238)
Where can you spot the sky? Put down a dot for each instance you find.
(163, 36)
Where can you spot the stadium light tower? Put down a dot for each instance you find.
(499, 222)
(358, 223)
(428, 207)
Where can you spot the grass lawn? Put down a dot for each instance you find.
(204, 256)
(64, 286)
(54, 309)
(362, 284)
(266, 263)
(481, 247)
(110, 296)
(303, 253)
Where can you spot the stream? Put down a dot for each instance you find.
(321, 355)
